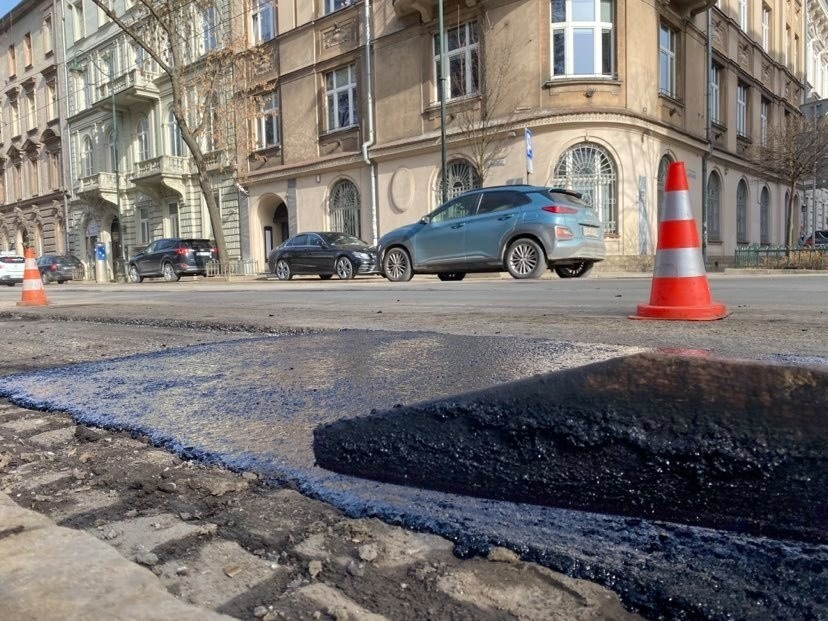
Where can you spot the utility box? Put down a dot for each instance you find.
(101, 271)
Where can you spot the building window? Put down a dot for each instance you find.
(54, 170)
(267, 125)
(31, 110)
(113, 159)
(18, 181)
(743, 15)
(103, 18)
(144, 225)
(787, 50)
(174, 134)
(211, 124)
(12, 58)
(766, 28)
(742, 93)
(715, 94)
(764, 119)
(764, 216)
(795, 62)
(209, 28)
(172, 220)
(714, 206)
(142, 134)
(588, 169)
(341, 96)
(582, 37)
(262, 20)
(667, 60)
(741, 212)
(27, 49)
(51, 99)
(2, 185)
(335, 5)
(48, 46)
(87, 157)
(34, 178)
(462, 61)
(14, 112)
(78, 26)
(460, 177)
(663, 164)
(344, 208)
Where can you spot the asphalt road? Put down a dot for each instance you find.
(252, 403)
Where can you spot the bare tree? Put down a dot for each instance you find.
(484, 127)
(204, 53)
(793, 151)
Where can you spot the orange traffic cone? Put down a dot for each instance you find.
(33, 292)
(679, 290)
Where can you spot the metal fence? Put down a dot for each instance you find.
(782, 257)
(234, 267)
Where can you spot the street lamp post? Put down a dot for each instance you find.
(119, 263)
(442, 88)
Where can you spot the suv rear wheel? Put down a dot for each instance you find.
(525, 259)
(168, 271)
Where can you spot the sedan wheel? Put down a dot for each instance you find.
(283, 270)
(525, 259)
(134, 275)
(44, 278)
(397, 265)
(575, 270)
(451, 276)
(168, 271)
(344, 268)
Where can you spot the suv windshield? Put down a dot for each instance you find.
(563, 196)
(197, 244)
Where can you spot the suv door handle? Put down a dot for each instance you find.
(459, 226)
(506, 217)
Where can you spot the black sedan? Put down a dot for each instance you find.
(323, 254)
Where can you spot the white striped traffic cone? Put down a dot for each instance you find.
(33, 292)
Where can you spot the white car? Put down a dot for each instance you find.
(12, 267)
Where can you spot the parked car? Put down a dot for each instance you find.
(522, 229)
(59, 268)
(323, 254)
(821, 238)
(12, 267)
(172, 258)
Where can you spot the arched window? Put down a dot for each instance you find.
(741, 212)
(460, 177)
(87, 157)
(666, 160)
(582, 38)
(142, 132)
(714, 207)
(173, 134)
(588, 169)
(344, 207)
(764, 216)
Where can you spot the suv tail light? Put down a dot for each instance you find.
(560, 209)
(53, 267)
(180, 251)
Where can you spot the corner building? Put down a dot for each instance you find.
(612, 91)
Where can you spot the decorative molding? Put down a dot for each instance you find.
(338, 34)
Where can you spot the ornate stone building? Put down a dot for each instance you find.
(32, 195)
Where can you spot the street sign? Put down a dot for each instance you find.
(527, 133)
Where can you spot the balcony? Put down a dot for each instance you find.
(100, 186)
(133, 87)
(167, 171)
(426, 8)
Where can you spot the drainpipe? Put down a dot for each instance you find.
(708, 130)
(65, 138)
(369, 87)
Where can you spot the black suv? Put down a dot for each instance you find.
(172, 259)
(59, 268)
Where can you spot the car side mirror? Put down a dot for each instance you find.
(425, 219)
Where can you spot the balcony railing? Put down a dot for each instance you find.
(164, 165)
(98, 183)
(135, 84)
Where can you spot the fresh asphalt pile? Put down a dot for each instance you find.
(253, 404)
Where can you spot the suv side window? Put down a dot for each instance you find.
(460, 207)
(153, 247)
(501, 200)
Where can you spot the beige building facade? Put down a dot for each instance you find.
(611, 91)
(32, 197)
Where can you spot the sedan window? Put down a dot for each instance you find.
(460, 207)
(299, 240)
(315, 240)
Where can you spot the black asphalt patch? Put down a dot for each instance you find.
(253, 404)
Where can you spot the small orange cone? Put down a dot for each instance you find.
(33, 292)
(679, 290)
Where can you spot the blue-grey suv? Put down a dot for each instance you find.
(519, 228)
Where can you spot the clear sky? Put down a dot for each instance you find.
(7, 5)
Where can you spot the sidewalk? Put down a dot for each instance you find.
(53, 573)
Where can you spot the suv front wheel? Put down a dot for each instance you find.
(397, 265)
(134, 274)
(525, 259)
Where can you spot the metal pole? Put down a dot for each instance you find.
(708, 132)
(442, 89)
